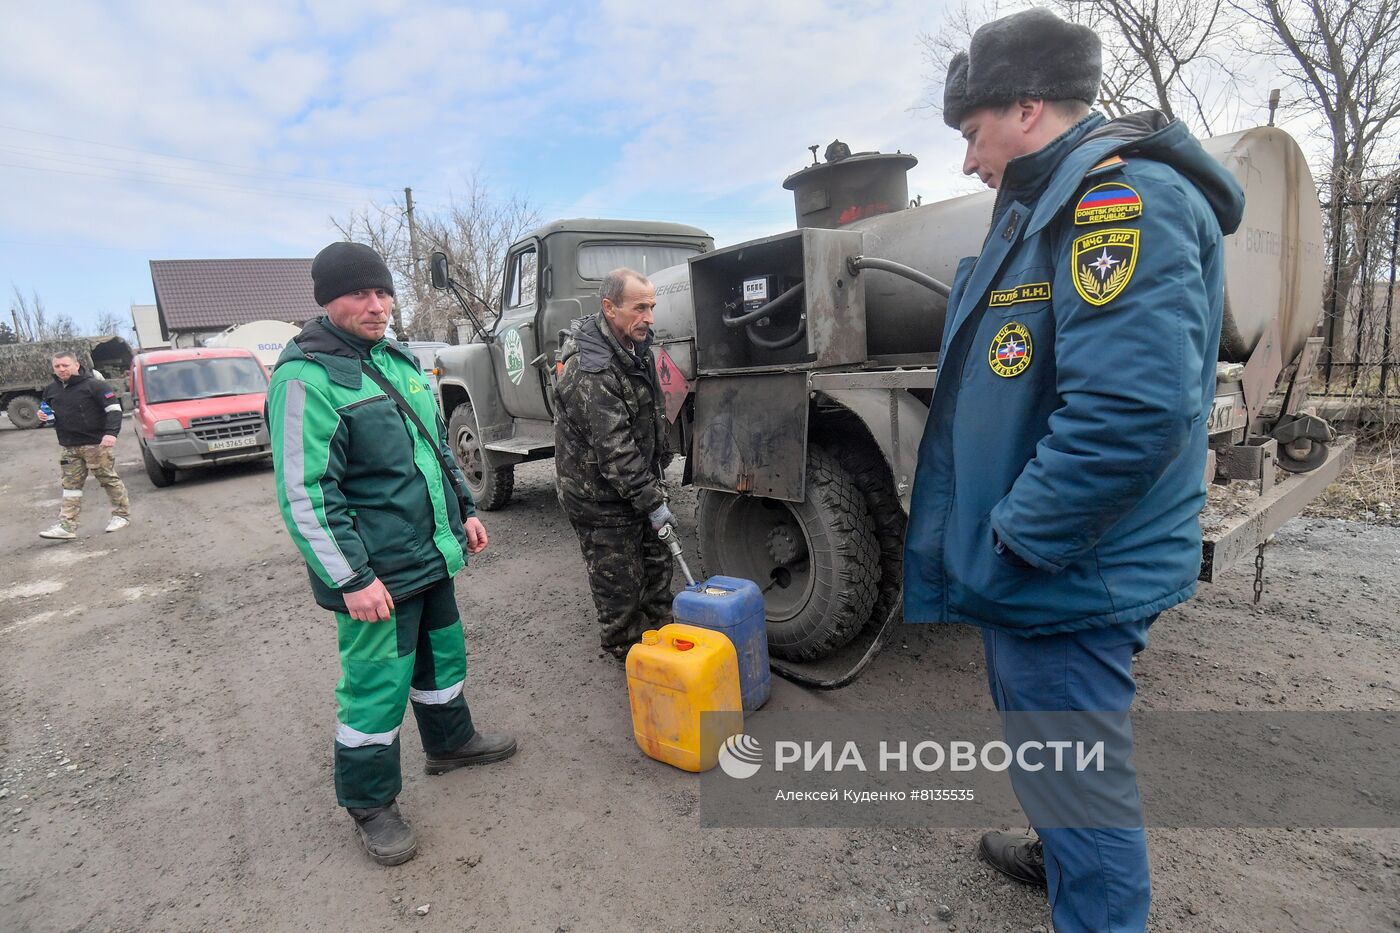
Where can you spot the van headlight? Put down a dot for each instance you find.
(169, 426)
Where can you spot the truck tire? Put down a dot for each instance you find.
(23, 411)
(817, 561)
(871, 476)
(490, 486)
(158, 473)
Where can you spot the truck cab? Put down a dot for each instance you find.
(496, 390)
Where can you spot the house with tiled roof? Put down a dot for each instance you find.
(199, 298)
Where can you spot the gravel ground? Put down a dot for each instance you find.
(165, 743)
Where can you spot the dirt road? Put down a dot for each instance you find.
(165, 743)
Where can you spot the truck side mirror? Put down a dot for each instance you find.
(437, 265)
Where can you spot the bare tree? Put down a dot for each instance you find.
(109, 322)
(1345, 57)
(1167, 55)
(33, 322)
(474, 229)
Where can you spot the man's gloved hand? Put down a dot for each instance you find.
(661, 517)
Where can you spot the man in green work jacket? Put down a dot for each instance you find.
(364, 485)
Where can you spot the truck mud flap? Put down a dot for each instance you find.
(1242, 534)
(754, 434)
(844, 666)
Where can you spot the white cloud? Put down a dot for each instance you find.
(686, 111)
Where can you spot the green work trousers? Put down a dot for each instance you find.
(419, 656)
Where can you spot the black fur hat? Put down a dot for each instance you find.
(1029, 54)
(342, 268)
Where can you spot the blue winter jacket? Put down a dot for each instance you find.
(1061, 470)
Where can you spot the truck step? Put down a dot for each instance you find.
(528, 437)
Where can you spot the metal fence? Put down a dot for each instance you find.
(1360, 358)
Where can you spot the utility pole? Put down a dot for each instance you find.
(413, 255)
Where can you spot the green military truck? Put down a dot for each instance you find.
(25, 368)
(495, 390)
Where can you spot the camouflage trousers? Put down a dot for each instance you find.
(629, 572)
(74, 463)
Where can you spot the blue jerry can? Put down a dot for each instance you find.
(734, 607)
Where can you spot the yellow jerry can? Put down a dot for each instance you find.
(673, 676)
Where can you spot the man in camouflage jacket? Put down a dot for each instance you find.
(610, 451)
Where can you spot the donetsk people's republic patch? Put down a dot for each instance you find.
(1102, 264)
(1010, 352)
(1110, 203)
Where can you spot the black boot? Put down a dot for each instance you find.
(386, 835)
(480, 749)
(1016, 855)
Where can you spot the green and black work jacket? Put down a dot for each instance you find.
(362, 492)
(610, 443)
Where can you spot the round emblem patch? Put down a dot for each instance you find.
(1010, 352)
(515, 355)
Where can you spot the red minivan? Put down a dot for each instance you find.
(198, 408)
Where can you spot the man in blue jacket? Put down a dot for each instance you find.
(1062, 467)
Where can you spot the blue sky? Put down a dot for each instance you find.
(132, 131)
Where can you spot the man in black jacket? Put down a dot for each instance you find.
(87, 418)
(610, 450)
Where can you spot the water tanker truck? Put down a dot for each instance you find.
(797, 371)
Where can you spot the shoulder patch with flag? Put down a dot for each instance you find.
(1010, 352)
(1110, 203)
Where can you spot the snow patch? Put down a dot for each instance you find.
(71, 556)
(36, 617)
(31, 589)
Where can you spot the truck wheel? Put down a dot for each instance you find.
(23, 411)
(490, 486)
(159, 474)
(817, 561)
(872, 477)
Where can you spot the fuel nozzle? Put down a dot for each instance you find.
(668, 536)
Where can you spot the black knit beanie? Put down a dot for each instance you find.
(1031, 54)
(342, 268)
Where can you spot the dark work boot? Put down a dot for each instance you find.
(480, 749)
(1018, 856)
(385, 834)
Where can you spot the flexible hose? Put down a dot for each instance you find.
(782, 343)
(795, 673)
(855, 263)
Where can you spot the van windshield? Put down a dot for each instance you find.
(202, 378)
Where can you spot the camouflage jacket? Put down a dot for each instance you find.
(610, 443)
